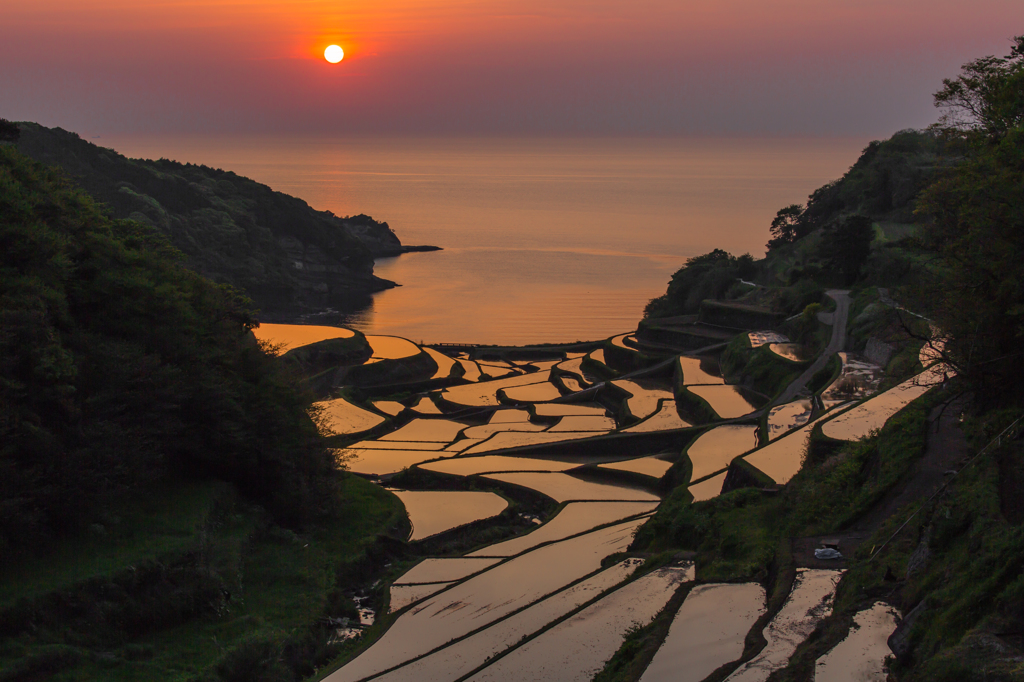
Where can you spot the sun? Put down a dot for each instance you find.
(334, 54)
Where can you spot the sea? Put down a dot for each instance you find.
(545, 240)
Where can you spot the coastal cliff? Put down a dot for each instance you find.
(286, 256)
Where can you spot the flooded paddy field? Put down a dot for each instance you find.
(288, 336)
(794, 352)
(708, 631)
(574, 518)
(715, 449)
(432, 512)
(537, 600)
(857, 378)
(698, 371)
(576, 649)
(809, 602)
(665, 419)
(463, 656)
(484, 598)
(563, 487)
(861, 656)
(785, 418)
(343, 418)
(470, 466)
(708, 488)
(645, 395)
(645, 466)
(728, 402)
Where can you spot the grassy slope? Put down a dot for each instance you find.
(281, 585)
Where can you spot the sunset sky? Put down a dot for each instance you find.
(645, 67)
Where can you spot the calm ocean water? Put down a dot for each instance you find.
(546, 240)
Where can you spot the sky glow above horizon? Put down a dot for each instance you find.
(600, 67)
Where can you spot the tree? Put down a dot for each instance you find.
(9, 131)
(975, 227)
(785, 227)
(986, 100)
(846, 247)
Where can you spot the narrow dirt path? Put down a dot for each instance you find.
(835, 344)
(946, 448)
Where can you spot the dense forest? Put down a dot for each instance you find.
(153, 456)
(286, 256)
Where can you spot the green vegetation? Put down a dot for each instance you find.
(936, 218)
(976, 227)
(168, 508)
(283, 254)
(703, 277)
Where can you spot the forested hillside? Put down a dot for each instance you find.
(283, 254)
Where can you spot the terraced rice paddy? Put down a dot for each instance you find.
(343, 418)
(570, 384)
(464, 656)
(569, 410)
(432, 512)
(389, 407)
(872, 414)
(728, 402)
(432, 430)
(505, 611)
(808, 603)
(392, 347)
(564, 488)
(574, 518)
(506, 440)
(708, 488)
(666, 418)
(787, 417)
(857, 378)
(576, 649)
(383, 462)
(782, 459)
(403, 595)
(583, 423)
(445, 364)
(715, 449)
(645, 395)
(758, 339)
(488, 430)
(861, 656)
(443, 570)
(707, 632)
(509, 416)
(425, 406)
(470, 466)
(485, 393)
(694, 372)
(289, 336)
(470, 370)
(541, 392)
(794, 352)
(645, 466)
(395, 445)
(471, 604)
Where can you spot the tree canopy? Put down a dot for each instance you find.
(120, 367)
(975, 226)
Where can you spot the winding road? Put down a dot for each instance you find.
(835, 344)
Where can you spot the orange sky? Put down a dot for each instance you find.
(450, 66)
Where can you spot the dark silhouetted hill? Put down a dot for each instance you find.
(285, 255)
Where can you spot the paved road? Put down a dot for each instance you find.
(839, 319)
